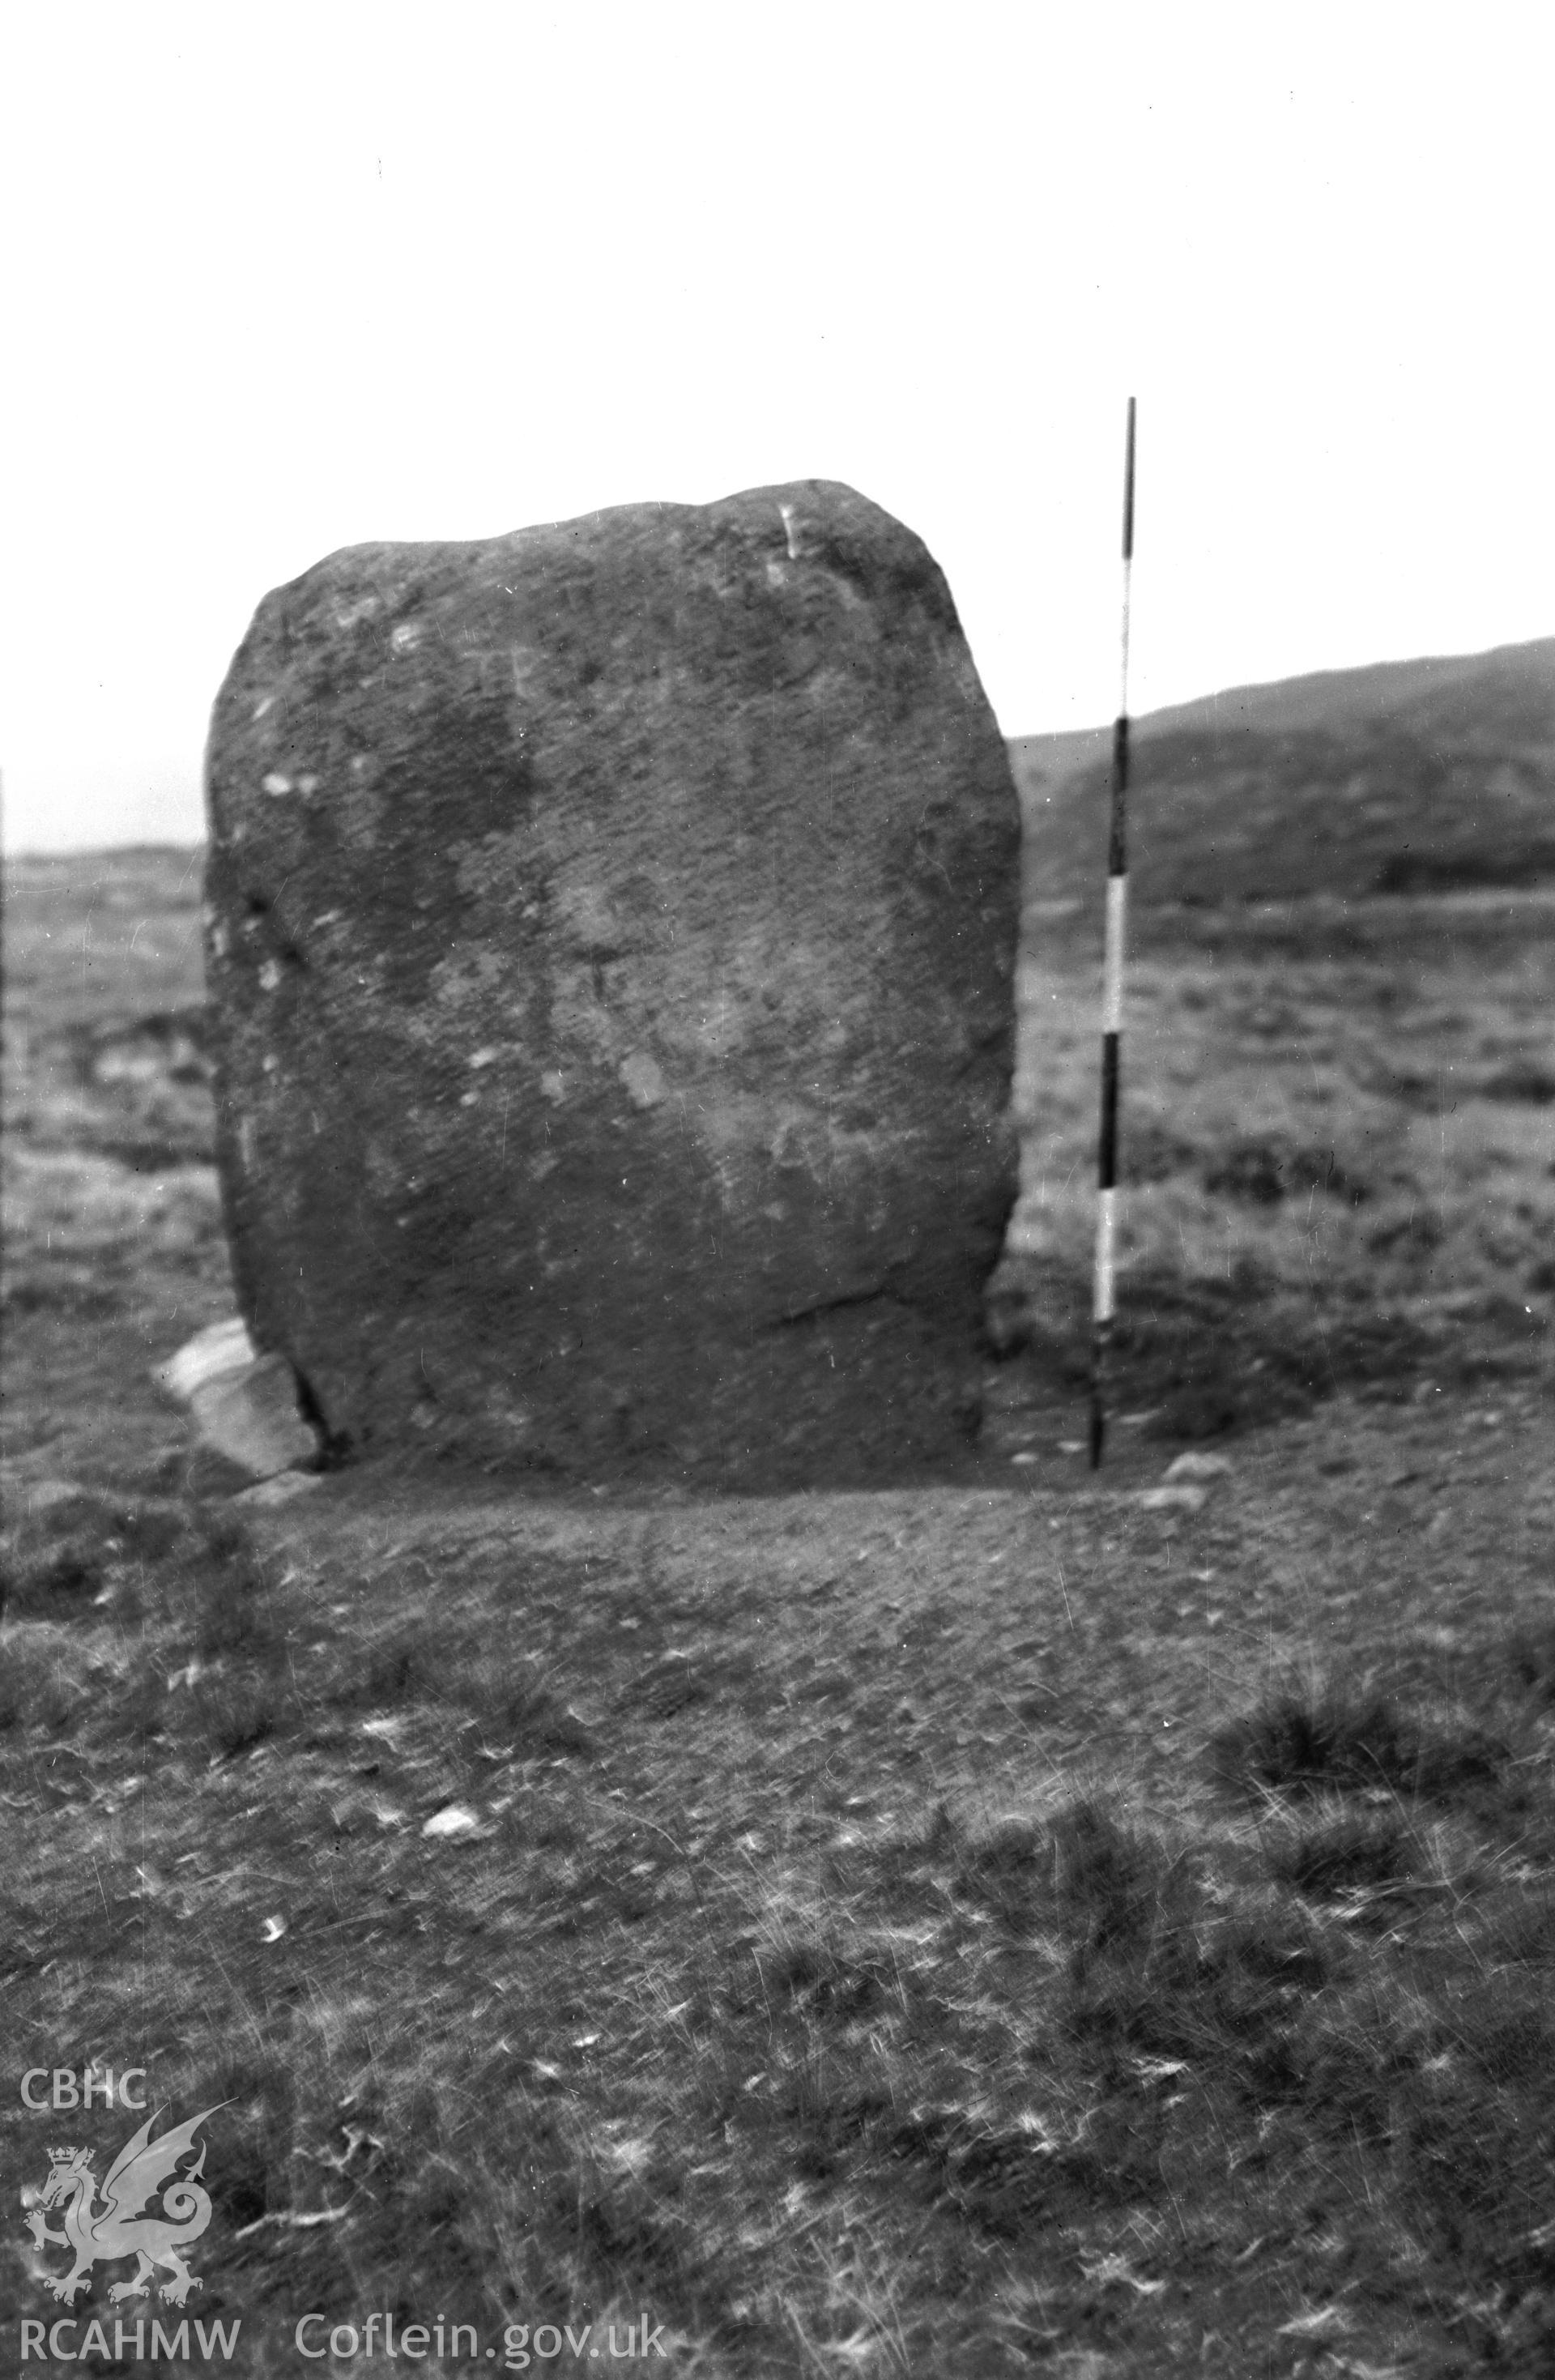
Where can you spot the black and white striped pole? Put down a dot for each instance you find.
(1103, 1284)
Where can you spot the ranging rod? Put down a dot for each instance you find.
(1103, 1282)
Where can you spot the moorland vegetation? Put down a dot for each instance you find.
(997, 1926)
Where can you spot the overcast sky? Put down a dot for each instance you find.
(279, 278)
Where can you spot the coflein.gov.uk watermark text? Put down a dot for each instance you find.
(315, 2337)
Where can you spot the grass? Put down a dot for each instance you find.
(1297, 1742)
(951, 1932)
(1327, 1182)
(831, 2012)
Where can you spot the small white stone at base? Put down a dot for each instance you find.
(1173, 1500)
(1199, 1466)
(280, 1489)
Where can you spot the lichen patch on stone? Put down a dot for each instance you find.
(644, 1081)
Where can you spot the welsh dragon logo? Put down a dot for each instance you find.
(120, 2225)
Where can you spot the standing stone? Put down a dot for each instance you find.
(611, 935)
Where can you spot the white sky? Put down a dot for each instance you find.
(277, 278)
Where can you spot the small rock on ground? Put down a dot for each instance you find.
(244, 1405)
(1174, 1500)
(282, 1489)
(1199, 1466)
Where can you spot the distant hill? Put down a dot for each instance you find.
(1408, 777)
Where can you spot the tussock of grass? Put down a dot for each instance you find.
(1265, 1171)
(83, 1545)
(1300, 1744)
(1208, 1354)
(469, 1668)
(1114, 1888)
(1343, 1854)
(232, 1715)
(70, 1570)
(44, 1682)
(227, 1585)
(825, 1981)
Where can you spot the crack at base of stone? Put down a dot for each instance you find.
(334, 1445)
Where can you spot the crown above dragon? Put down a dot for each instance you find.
(71, 2157)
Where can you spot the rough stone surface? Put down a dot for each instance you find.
(252, 1418)
(611, 934)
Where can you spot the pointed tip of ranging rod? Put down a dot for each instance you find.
(1128, 489)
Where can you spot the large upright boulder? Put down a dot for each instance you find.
(611, 939)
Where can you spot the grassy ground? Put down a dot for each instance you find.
(1338, 1145)
(1004, 1927)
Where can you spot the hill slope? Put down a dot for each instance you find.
(1409, 776)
